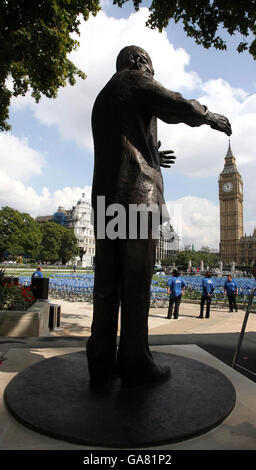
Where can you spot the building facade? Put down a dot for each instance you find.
(231, 209)
(81, 222)
(234, 245)
(168, 242)
(78, 219)
(247, 249)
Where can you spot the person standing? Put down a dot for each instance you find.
(175, 287)
(207, 291)
(231, 290)
(38, 272)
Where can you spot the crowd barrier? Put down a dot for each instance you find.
(79, 288)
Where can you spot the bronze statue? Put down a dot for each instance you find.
(127, 171)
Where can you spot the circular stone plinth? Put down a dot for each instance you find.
(54, 397)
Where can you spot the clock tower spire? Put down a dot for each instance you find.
(231, 209)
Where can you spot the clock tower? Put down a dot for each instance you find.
(231, 209)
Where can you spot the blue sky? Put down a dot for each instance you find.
(48, 155)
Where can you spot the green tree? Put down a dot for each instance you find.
(205, 249)
(210, 259)
(35, 39)
(68, 248)
(58, 243)
(203, 20)
(20, 235)
(182, 258)
(51, 242)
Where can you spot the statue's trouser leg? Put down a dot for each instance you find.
(138, 259)
(123, 271)
(101, 346)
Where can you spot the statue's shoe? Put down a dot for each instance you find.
(135, 377)
(102, 374)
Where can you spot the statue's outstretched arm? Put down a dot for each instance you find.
(172, 108)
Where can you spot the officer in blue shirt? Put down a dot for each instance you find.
(208, 288)
(175, 287)
(231, 290)
(38, 272)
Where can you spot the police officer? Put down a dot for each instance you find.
(231, 290)
(208, 288)
(175, 287)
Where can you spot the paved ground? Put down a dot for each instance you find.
(76, 320)
(218, 335)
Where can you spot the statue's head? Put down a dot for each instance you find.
(134, 58)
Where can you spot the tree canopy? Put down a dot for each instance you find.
(20, 234)
(58, 243)
(203, 19)
(36, 38)
(182, 258)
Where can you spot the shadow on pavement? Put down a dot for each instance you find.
(220, 345)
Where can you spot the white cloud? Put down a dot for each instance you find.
(19, 162)
(196, 220)
(18, 158)
(24, 198)
(249, 227)
(101, 39)
(200, 151)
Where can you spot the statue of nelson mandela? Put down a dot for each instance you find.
(127, 171)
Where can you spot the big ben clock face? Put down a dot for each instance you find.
(227, 187)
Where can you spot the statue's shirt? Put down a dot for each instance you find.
(127, 167)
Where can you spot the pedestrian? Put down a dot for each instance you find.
(207, 291)
(175, 287)
(38, 272)
(231, 290)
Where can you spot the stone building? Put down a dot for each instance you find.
(42, 219)
(168, 243)
(81, 222)
(234, 245)
(79, 219)
(247, 249)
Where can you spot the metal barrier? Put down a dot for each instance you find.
(241, 336)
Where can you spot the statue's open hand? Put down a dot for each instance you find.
(166, 157)
(220, 123)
